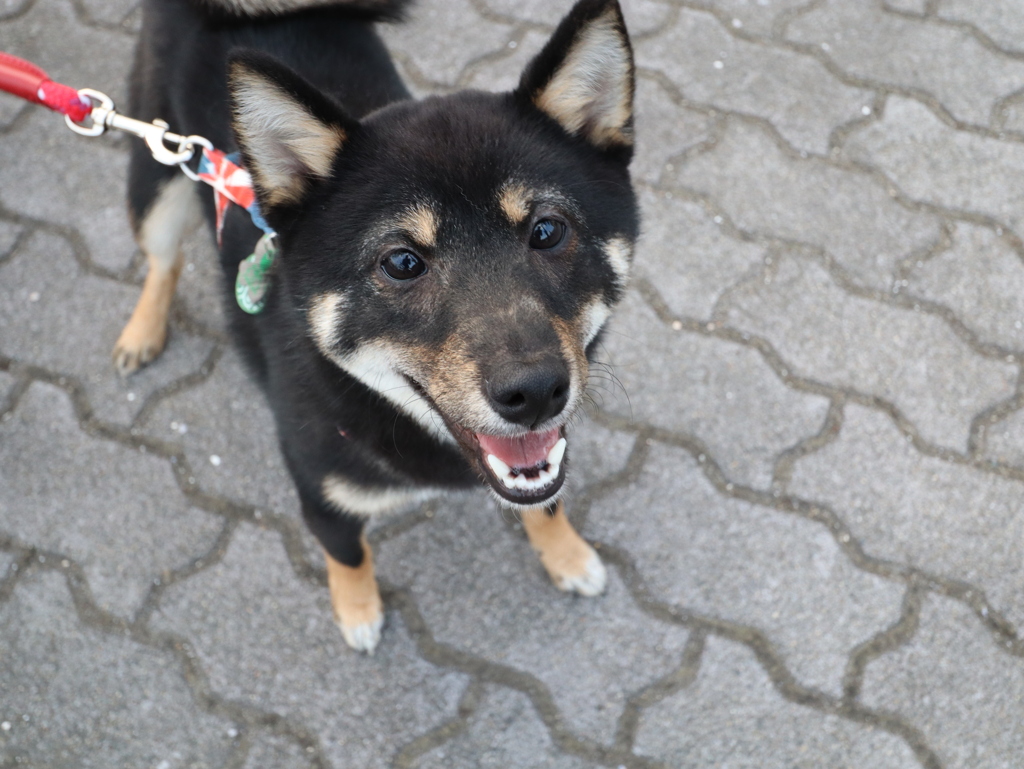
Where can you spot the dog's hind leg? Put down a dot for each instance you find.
(164, 206)
(572, 564)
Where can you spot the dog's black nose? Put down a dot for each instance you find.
(531, 393)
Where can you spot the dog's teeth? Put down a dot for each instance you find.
(500, 468)
(547, 471)
(556, 453)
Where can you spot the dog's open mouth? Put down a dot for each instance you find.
(526, 469)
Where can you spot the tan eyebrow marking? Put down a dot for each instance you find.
(421, 223)
(515, 202)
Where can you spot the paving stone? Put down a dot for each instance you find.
(731, 716)
(9, 234)
(594, 452)
(944, 61)
(756, 17)
(687, 256)
(270, 751)
(10, 108)
(441, 37)
(981, 278)
(936, 164)
(795, 92)
(115, 510)
(133, 21)
(911, 359)
(591, 653)
(908, 508)
(41, 180)
(745, 563)
(718, 391)
(109, 13)
(917, 7)
(498, 73)
(49, 172)
(1010, 114)
(11, 8)
(51, 36)
(1004, 441)
(665, 128)
(955, 684)
(76, 696)
(767, 191)
(56, 315)
(504, 733)
(6, 383)
(227, 417)
(642, 16)
(264, 637)
(1001, 20)
(6, 560)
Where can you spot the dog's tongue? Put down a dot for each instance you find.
(526, 451)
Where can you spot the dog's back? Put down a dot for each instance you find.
(180, 74)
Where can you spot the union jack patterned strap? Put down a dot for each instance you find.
(231, 184)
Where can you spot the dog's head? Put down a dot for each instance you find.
(460, 255)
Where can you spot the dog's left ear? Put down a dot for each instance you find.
(584, 76)
(289, 132)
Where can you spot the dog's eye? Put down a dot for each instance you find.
(403, 265)
(547, 233)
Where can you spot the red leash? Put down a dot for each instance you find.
(26, 80)
(231, 183)
(91, 113)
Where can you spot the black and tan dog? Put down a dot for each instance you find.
(446, 265)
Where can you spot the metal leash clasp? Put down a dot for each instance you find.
(156, 134)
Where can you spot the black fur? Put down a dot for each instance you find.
(455, 151)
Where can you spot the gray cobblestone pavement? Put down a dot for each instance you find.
(811, 501)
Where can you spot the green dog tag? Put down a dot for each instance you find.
(253, 281)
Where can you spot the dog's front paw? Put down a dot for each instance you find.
(361, 627)
(140, 343)
(355, 599)
(591, 580)
(572, 564)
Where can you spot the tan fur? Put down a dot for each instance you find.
(355, 597)
(564, 553)
(591, 92)
(421, 224)
(277, 131)
(515, 202)
(382, 366)
(619, 253)
(592, 319)
(324, 316)
(369, 501)
(173, 213)
(571, 335)
(455, 385)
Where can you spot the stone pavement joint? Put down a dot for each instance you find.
(894, 636)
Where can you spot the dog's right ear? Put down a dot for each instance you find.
(288, 131)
